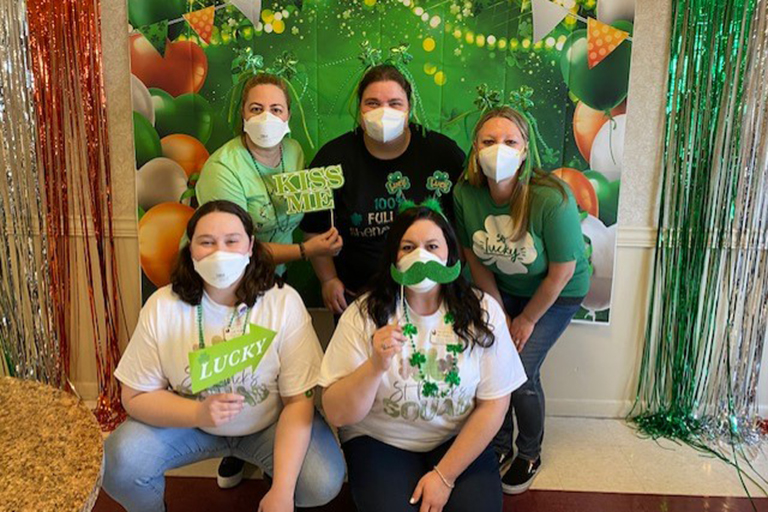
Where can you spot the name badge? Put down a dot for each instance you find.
(442, 336)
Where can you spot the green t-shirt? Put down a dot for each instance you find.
(230, 173)
(554, 235)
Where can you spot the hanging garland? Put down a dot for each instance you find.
(706, 329)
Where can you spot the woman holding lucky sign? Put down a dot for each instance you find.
(521, 235)
(243, 171)
(385, 159)
(222, 287)
(418, 376)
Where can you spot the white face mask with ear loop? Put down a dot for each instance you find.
(499, 162)
(266, 130)
(222, 268)
(384, 124)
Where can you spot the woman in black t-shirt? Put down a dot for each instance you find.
(385, 159)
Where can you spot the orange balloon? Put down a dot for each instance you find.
(582, 189)
(183, 68)
(186, 150)
(587, 122)
(160, 230)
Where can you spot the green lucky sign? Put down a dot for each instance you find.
(209, 366)
(310, 190)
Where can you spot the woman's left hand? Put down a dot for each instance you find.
(276, 501)
(432, 492)
(520, 330)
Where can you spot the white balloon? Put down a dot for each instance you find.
(609, 11)
(603, 242)
(607, 155)
(142, 100)
(161, 180)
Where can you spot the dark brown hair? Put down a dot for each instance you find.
(259, 275)
(461, 298)
(384, 73)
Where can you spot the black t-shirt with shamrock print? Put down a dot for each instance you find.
(367, 203)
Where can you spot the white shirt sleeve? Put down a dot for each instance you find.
(140, 366)
(501, 371)
(350, 347)
(299, 351)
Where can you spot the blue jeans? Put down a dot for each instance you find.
(528, 400)
(137, 456)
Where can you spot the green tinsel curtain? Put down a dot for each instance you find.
(706, 327)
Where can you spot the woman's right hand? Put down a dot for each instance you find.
(333, 295)
(387, 342)
(216, 410)
(325, 244)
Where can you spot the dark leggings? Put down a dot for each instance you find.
(382, 478)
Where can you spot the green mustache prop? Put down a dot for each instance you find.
(419, 271)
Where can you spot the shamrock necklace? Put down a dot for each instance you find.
(418, 359)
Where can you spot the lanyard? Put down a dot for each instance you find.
(201, 337)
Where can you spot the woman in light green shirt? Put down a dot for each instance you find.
(522, 239)
(243, 170)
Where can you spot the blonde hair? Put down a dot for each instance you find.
(520, 202)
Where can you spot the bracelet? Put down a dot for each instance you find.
(302, 250)
(445, 481)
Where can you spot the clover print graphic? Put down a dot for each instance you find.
(495, 245)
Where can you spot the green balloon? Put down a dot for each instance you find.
(607, 196)
(146, 12)
(604, 86)
(188, 113)
(146, 140)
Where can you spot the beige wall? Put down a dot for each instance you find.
(592, 370)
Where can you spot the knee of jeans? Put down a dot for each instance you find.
(122, 464)
(320, 480)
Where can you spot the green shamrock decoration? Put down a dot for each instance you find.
(369, 55)
(449, 318)
(521, 99)
(487, 98)
(439, 183)
(246, 62)
(429, 389)
(410, 330)
(397, 183)
(356, 219)
(454, 348)
(453, 378)
(399, 56)
(285, 66)
(417, 359)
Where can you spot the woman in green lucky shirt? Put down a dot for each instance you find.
(521, 235)
(243, 169)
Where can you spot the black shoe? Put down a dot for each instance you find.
(230, 472)
(504, 458)
(520, 475)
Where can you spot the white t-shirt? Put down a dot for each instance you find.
(401, 416)
(157, 355)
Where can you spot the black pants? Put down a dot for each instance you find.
(382, 478)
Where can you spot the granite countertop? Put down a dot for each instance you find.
(51, 449)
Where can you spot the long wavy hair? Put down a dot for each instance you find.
(259, 275)
(460, 297)
(520, 202)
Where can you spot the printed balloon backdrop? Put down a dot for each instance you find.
(453, 47)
